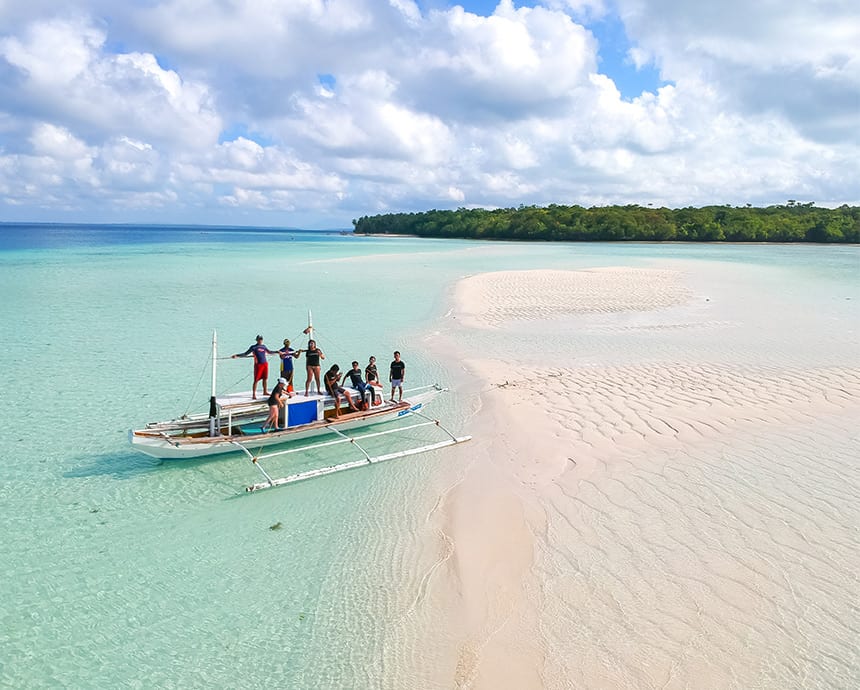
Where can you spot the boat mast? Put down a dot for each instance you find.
(213, 407)
(309, 331)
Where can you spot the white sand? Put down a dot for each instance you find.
(491, 299)
(661, 522)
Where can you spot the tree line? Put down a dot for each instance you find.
(791, 222)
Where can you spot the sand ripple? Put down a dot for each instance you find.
(490, 299)
(693, 510)
(617, 407)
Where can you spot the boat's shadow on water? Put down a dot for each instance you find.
(116, 465)
(133, 465)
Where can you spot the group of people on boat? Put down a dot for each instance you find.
(332, 380)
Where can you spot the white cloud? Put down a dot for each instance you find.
(332, 109)
(62, 71)
(58, 143)
(797, 60)
(53, 53)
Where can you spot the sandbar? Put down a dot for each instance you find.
(647, 514)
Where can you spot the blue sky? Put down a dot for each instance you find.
(315, 112)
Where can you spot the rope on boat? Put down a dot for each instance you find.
(242, 379)
(206, 367)
(332, 344)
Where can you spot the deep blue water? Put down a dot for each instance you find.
(61, 235)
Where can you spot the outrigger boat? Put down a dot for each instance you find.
(234, 424)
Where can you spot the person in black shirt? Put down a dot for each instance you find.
(276, 402)
(372, 375)
(332, 385)
(313, 355)
(354, 375)
(370, 372)
(396, 374)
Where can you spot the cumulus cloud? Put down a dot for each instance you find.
(325, 110)
(61, 72)
(798, 60)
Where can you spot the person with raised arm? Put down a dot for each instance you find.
(261, 364)
(287, 355)
(313, 355)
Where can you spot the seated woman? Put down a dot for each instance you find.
(332, 385)
(372, 374)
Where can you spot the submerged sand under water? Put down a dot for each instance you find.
(663, 487)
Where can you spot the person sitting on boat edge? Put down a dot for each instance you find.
(276, 402)
(370, 371)
(313, 355)
(261, 364)
(372, 376)
(397, 373)
(332, 385)
(287, 355)
(354, 375)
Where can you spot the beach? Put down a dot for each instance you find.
(660, 490)
(671, 505)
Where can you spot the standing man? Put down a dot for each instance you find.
(396, 374)
(287, 355)
(261, 365)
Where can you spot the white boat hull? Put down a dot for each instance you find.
(162, 445)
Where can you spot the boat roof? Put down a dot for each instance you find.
(232, 401)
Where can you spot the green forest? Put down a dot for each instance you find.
(792, 222)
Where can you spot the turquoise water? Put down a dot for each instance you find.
(119, 571)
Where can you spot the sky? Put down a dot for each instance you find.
(312, 113)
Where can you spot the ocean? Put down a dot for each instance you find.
(120, 571)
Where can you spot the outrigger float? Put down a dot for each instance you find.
(234, 424)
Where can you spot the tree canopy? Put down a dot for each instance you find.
(791, 222)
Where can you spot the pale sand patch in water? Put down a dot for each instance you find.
(658, 524)
(489, 300)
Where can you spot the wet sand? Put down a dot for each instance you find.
(655, 511)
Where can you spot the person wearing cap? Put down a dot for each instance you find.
(261, 364)
(287, 355)
(276, 402)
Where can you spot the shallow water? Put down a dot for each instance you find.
(119, 571)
